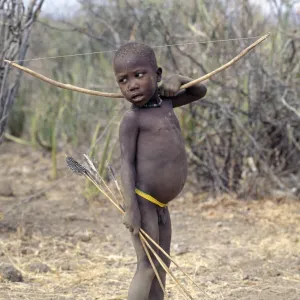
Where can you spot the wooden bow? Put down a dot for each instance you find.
(119, 95)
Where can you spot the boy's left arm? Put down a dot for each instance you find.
(170, 89)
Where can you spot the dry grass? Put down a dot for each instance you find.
(231, 249)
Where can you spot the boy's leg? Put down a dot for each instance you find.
(165, 233)
(142, 280)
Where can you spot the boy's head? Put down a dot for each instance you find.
(136, 72)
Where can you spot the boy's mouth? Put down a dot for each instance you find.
(137, 97)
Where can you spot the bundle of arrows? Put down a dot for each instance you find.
(91, 173)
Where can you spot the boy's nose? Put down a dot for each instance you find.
(133, 85)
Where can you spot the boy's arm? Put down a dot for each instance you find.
(128, 135)
(171, 87)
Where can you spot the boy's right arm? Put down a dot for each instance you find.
(171, 89)
(128, 136)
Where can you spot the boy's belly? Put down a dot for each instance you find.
(161, 166)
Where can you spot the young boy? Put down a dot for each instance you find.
(154, 165)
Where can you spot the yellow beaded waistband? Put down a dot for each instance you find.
(150, 198)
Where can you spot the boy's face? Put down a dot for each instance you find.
(136, 78)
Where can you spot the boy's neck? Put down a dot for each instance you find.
(154, 101)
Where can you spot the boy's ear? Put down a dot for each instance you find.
(159, 73)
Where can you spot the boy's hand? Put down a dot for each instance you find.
(170, 87)
(132, 220)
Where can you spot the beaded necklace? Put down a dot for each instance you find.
(150, 105)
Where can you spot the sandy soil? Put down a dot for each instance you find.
(233, 249)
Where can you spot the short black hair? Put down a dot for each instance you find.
(139, 49)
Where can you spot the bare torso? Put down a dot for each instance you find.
(161, 165)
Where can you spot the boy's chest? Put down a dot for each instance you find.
(159, 120)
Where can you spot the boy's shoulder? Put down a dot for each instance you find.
(130, 118)
(130, 114)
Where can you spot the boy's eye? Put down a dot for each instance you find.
(139, 74)
(122, 80)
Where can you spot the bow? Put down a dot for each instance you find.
(119, 95)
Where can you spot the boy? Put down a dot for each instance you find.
(153, 158)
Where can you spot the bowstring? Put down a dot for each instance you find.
(155, 46)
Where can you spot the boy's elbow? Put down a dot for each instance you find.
(127, 166)
(203, 90)
(198, 91)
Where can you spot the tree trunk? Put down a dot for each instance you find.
(15, 27)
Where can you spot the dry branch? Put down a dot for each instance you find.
(15, 28)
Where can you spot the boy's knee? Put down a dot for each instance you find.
(146, 268)
(167, 261)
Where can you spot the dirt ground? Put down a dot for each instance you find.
(233, 249)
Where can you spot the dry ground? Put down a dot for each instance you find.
(233, 249)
